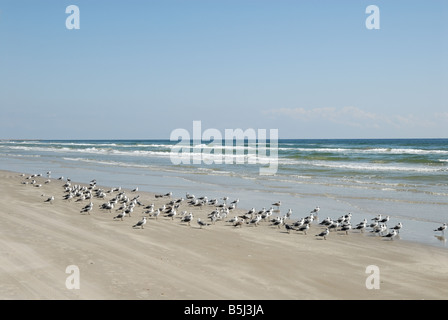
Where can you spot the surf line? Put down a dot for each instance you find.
(240, 147)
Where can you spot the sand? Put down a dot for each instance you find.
(169, 260)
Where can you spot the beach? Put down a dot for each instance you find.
(170, 260)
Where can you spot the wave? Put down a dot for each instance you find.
(238, 157)
(395, 151)
(107, 162)
(22, 155)
(289, 148)
(375, 167)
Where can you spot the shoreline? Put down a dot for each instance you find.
(171, 260)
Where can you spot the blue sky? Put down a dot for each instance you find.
(140, 69)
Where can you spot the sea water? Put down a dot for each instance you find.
(406, 179)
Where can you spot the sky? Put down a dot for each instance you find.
(141, 69)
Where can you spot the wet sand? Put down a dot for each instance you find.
(168, 259)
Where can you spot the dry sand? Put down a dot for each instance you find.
(171, 260)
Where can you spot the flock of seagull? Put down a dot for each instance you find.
(124, 205)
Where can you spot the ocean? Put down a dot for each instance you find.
(406, 179)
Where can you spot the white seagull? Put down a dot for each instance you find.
(120, 216)
(156, 214)
(346, 228)
(277, 204)
(323, 234)
(384, 220)
(187, 218)
(391, 234)
(441, 228)
(51, 199)
(202, 223)
(140, 224)
(87, 208)
(304, 228)
(289, 228)
(398, 227)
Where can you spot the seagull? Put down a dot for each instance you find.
(129, 210)
(362, 222)
(188, 218)
(172, 214)
(398, 227)
(315, 210)
(277, 204)
(361, 226)
(200, 204)
(289, 228)
(384, 220)
(379, 229)
(374, 225)
(51, 199)
(213, 218)
(120, 216)
(326, 222)
(304, 228)
(255, 220)
(238, 222)
(323, 234)
(299, 223)
(278, 222)
(140, 224)
(309, 219)
(251, 212)
(391, 234)
(135, 190)
(87, 208)
(202, 223)
(151, 206)
(334, 225)
(156, 214)
(346, 228)
(441, 228)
